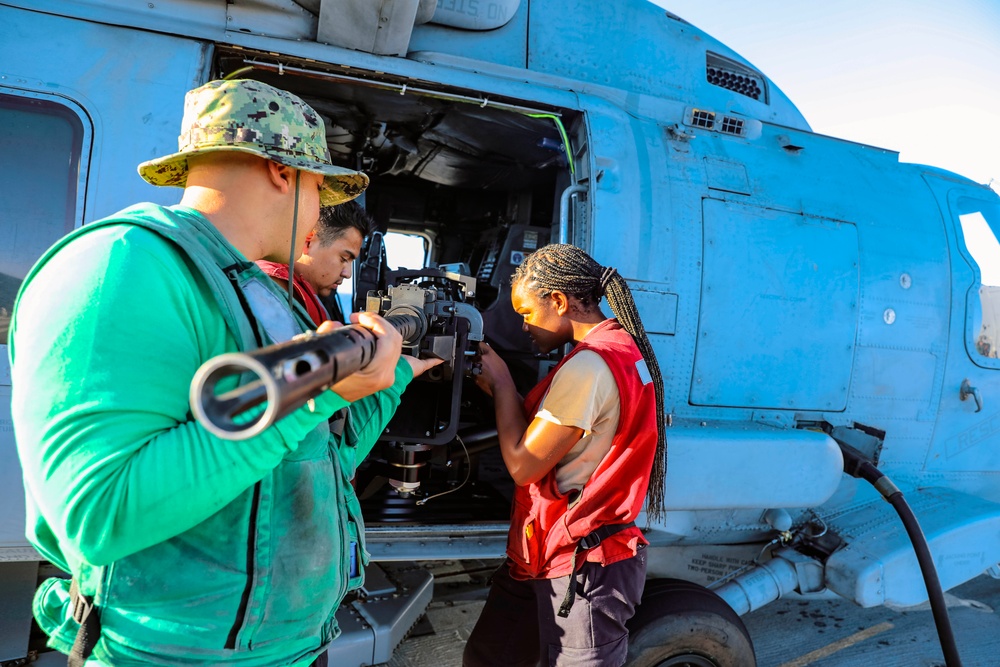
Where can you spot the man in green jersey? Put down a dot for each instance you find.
(186, 548)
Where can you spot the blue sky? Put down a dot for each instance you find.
(921, 77)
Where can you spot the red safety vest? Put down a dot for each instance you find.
(303, 290)
(544, 528)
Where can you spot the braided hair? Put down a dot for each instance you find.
(567, 269)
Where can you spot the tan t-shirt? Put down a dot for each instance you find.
(582, 394)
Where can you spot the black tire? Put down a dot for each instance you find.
(681, 624)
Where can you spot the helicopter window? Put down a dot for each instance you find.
(406, 251)
(41, 145)
(979, 225)
(402, 251)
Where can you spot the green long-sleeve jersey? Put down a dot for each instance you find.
(197, 549)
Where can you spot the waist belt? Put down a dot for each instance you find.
(586, 543)
(84, 613)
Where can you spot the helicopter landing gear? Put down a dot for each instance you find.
(681, 624)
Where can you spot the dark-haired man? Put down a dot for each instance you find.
(326, 260)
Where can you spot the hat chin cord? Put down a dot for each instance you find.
(291, 250)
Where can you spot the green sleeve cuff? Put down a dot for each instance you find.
(404, 375)
(328, 403)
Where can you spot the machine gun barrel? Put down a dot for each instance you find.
(283, 377)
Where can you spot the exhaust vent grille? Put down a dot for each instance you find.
(733, 76)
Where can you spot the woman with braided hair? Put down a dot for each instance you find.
(583, 448)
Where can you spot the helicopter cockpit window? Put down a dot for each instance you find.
(980, 223)
(41, 147)
(402, 250)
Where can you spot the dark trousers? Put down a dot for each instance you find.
(520, 625)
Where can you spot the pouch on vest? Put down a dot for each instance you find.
(51, 608)
(358, 555)
(525, 539)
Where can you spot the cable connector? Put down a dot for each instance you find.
(857, 464)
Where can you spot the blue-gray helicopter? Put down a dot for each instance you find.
(830, 353)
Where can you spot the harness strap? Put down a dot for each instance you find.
(232, 273)
(585, 544)
(338, 422)
(84, 613)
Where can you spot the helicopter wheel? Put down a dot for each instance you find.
(681, 624)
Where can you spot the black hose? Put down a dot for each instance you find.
(856, 465)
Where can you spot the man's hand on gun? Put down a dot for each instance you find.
(381, 372)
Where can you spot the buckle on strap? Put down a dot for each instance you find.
(587, 542)
(598, 535)
(90, 626)
(81, 605)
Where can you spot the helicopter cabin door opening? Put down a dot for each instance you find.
(477, 182)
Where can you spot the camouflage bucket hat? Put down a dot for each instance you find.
(248, 116)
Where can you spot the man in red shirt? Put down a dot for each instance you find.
(326, 259)
(582, 448)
